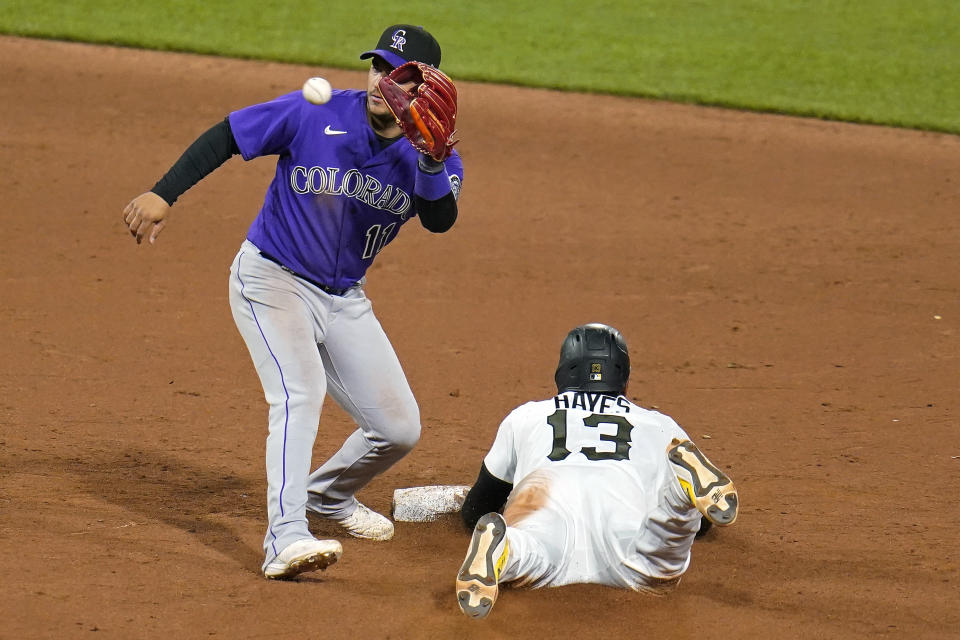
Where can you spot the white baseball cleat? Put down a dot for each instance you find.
(710, 490)
(478, 582)
(367, 524)
(303, 555)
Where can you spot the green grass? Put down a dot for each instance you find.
(893, 62)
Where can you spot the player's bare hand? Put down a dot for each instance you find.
(146, 213)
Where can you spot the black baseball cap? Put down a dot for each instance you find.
(406, 43)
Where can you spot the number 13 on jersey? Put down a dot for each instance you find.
(620, 440)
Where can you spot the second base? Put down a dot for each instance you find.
(423, 504)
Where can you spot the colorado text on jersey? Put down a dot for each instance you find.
(352, 184)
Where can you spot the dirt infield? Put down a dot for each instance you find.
(789, 289)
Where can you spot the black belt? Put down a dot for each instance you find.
(319, 285)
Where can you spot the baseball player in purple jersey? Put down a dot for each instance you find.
(593, 487)
(346, 182)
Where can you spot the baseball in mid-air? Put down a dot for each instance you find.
(317, 90)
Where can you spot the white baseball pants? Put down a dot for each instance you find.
(305, 343)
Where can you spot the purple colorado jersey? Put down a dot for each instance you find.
(337, 199)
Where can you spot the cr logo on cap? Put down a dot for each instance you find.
(398, 39)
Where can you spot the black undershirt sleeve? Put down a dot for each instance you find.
(488, 494)
(436, 215)
(209, 151)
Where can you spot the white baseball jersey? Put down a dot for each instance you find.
(594, 497)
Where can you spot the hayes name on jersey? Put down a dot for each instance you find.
(593, 402)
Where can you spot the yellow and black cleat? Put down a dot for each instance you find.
(478, 582)
(710, 490)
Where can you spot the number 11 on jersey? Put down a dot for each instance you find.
(376, 239)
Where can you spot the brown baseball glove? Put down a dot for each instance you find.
(427, 111)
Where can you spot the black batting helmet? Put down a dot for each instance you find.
(594, 358)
